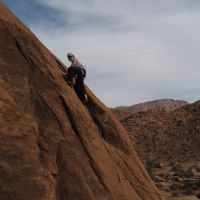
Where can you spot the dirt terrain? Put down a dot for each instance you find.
(53, 147)
(166, 135)
(168, 143)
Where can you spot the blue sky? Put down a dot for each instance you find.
(31, 12)
(134, 50)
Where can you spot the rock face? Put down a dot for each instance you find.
(157, 105)
(52, 147)
(170, 136)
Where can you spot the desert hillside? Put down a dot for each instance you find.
(166, 135)
(168, 143)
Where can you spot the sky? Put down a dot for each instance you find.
(134, 50)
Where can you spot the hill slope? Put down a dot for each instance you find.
(52, 146)
(168, 143)
(166, 135)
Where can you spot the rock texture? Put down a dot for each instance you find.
(52, 147)
(156, 106)
(170, 136)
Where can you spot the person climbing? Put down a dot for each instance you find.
(75, 77)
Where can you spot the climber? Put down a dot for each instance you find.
(75, 77)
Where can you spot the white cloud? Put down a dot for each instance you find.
(134, 50)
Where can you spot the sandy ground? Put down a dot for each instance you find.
(181, 179)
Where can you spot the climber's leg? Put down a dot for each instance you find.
(80, 90)
(70, 76)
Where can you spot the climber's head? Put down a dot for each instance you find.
(70, 56)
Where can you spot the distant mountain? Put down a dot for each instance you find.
(156, 105)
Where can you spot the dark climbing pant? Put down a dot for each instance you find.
(79, 74)
(80, 88)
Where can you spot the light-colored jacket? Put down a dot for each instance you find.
(76, 63)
